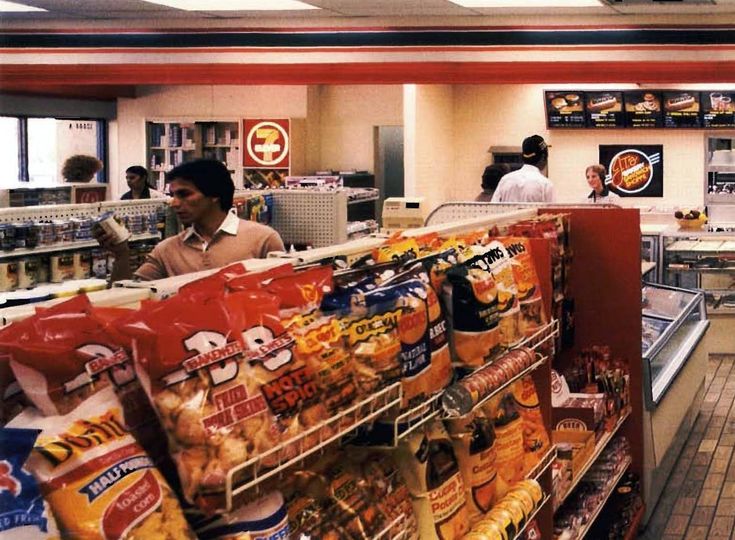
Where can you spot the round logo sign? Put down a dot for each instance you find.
(267, 143)
(631, 171)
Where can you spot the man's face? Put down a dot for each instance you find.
(190, 204)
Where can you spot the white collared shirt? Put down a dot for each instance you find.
(527, 184)
(229, 226)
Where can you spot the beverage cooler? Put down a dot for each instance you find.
(674, 352)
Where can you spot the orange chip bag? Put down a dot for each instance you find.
(528, 285)
(97, 479)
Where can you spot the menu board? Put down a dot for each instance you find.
(643, 109)
(604, 109)
(718, 109)
(681, 110)
(565, 109)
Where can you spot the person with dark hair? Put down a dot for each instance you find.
(490, 178)
(80, 168)
(137, 178)
(528, 184)
(201, 196)
(595, 175)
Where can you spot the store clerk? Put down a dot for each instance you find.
(595, 175)
(137, 179)
(527, 184)
(201, 196)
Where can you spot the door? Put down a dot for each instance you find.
(388, 162)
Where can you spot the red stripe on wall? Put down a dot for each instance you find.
(18, 77)
(391, 49)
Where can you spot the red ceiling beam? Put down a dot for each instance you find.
(33, 77)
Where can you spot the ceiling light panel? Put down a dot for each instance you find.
(234, 5)
(14, 7)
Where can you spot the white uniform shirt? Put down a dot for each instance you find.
(527, 184)
(610, 198)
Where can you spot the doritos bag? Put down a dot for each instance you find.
(97, 479)
(23, 513)
(528, 285)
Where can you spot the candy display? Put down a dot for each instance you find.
(578, 510)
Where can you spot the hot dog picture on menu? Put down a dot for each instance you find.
(681, 109)
(604, 109)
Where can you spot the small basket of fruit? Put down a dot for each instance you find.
(690, 219)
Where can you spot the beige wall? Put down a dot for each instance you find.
(348, 115)
(502, 115)
(332, 126)
(429, 150)
(196, 103)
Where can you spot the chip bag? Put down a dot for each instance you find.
(23, 513)
(264, 518)
(12, 398)
(301, 294)
(97, 479)
(533, 315)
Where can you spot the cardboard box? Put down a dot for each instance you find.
(583, 446)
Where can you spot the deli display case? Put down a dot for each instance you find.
(674, 352)
(674, 321)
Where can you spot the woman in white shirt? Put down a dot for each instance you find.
(596, 180)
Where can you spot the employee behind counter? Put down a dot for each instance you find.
(201, 196)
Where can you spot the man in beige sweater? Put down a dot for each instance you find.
(201, 196)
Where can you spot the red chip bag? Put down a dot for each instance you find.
(64, 354)
(301, 294)
(222, 379)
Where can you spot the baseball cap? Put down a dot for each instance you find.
(534, 147)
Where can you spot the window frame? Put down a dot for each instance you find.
(23, 143)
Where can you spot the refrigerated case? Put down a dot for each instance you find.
(674, 352)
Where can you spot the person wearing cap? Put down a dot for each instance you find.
(490, 178)
(527, 184)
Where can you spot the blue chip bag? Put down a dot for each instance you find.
(23, 514)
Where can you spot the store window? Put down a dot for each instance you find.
(34, 149)
(10, 155)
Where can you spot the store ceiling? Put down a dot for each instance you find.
(59, 10)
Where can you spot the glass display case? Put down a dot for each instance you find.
(703, 261)
(674, 321)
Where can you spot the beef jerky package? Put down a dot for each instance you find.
(533, 315)
(23, 513)
(473, 437)
(429, 466)
(224, 381)
(471, 299)
(535, 437)
(509, 460)
(98, 481)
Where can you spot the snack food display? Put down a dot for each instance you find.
(98, 481)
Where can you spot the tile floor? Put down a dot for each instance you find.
(698, 501)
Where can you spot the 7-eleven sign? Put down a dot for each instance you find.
(267, 143)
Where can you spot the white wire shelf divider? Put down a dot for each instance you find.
(335, 428)
(401, 523)
(412, 419)
(599, 447)
(546, 461)
(532, 516)
(590, 523)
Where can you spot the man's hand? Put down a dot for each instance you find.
(107, 241)
(121, 251)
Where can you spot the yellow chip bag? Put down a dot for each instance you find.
(98, 480)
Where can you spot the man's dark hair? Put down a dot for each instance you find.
(492, 175)
(210, 176)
